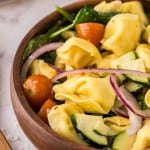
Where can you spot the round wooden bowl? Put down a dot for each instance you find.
(40, 134)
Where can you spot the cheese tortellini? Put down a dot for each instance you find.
(146, 34)
(60, 121)
(78, 53)
(122, 34)
(143, 52)
(117, 123)
(106, 61)
(108, 6)
(39, 66)
(135, 7)
(143, 137)
(92, 94)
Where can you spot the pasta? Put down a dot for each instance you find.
(108, 6)
(80, 90)
(39, 66)
(111, 39)
(59, 120)
(78, 53)
(146, 34)
(143, 137)
(117, 123)
(106, 61)
(135, 7)
(122, 34)
(143, 52)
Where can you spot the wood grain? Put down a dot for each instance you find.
(40, 134)
(4, 145)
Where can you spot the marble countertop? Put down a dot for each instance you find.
(16, 18)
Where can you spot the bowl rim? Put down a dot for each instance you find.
(18, 98)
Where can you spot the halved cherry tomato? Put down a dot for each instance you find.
(92, 32)
(37, 89)
(48, 104)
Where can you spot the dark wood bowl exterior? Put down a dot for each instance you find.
(40, 134)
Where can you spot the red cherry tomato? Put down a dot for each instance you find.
(37, 89)
(92, 32)
(48, 104)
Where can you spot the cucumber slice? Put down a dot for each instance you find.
(137, 65)
(143, 52)
(103, 129)
(121, 77)
(85, 125)
(115, 63)
(133, 86)
(123, 142)
(124, 58)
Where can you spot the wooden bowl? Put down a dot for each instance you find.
(40, 134)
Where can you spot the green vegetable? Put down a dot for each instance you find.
(137, 65)
(148, 16)
(123, 142)
(49, 57)
(104, 17)
(87, 14)
(41, 39)
(122, 59)
(133, 86)
(102, 129)
(141, 100)
(67, 15)
(85, 124)
(34, 44)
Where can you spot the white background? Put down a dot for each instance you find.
(16, 18)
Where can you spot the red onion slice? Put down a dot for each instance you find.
(128, 99)
(36, 54)
(100, 70)
(58, 70)
(120, 112)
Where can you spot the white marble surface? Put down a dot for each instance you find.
(16, 18)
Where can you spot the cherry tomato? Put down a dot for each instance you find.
(37, 89)
(48, 104)
(92, 32)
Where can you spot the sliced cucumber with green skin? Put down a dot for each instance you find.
(133, 86)
(122, 59)
(85, 125)
(137, 65)
(123, 142)
(121, 78)
(103, 129)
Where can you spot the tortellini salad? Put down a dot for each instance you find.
(86, 108)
